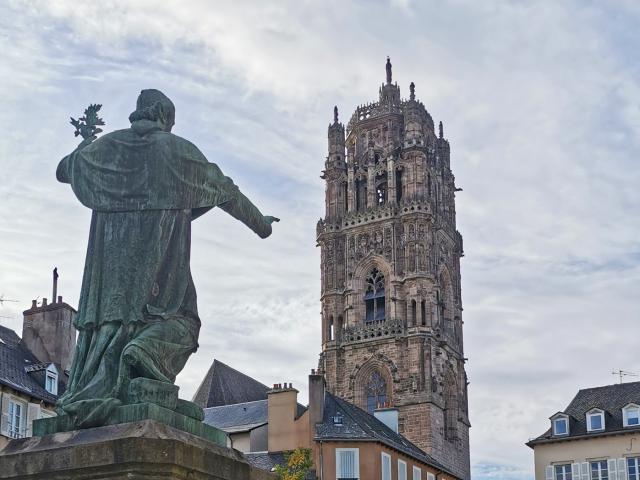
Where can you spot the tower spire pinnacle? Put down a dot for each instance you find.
(388, 67)
(335, 114)
(441, 130)
(412, 90)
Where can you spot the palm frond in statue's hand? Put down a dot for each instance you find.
(87, 126)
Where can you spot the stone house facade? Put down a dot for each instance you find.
(390, 273)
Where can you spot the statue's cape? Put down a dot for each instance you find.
(144, 168)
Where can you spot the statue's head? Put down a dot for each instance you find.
(155, 106)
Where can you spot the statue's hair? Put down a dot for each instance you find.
(154, 105)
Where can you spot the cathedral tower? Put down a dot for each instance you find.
(390, 262)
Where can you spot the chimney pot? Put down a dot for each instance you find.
(59, 298)
(34, 304)
(44, 302)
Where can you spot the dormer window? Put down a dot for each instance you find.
(595, 420)
(51, 380)
(561, 425)
(631, 415)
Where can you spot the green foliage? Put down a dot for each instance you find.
(298, 464)
(87, 125)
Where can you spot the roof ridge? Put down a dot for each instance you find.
(234, 404)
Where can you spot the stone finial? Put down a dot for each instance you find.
(55, 285)
(441, 130)
(388, 67)
(412, 90)
(335, 114)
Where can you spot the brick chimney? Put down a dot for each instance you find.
(48, 331)
(316, 398)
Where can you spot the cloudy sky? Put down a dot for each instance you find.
(541, 105)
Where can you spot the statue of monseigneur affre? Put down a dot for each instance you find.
(137, 316)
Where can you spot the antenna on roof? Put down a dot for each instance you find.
(2, 299)
(623, 373)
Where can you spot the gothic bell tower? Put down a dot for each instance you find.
(390, 273)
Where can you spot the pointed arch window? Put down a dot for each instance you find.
(374, 297)
(376, 392)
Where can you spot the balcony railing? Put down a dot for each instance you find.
(373, 330)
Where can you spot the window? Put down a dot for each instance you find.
(402, 470)
(51, 379)
(423, 312)
(398, 186)
(374, 296)
(561, 426)
(599, 470)
(417, 473)
(595, 420)
(381, 192)
(347, 464)
(17, 420)
(376, 392)
(431, 476)
(386, 466)
(633, 468)
(562, 472)
(631, 415)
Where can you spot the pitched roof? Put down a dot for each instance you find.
(224, 385)
(359, 425)
(22, 371)
(610, 398)
(239, 417)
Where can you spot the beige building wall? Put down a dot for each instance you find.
(585, 450)
(370, 461)
(33, 409)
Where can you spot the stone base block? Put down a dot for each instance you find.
(136, 413)
(146, 450)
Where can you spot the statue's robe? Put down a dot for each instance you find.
(137, 315)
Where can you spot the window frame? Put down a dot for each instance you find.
(384, 455)
(356, 463)
(403, 463)
(600, 468)
(567, 474)
(554, 430)
(21, 431)
(431, 476)
(51, 373)
(636, 466)
(595, 412)
(418, 470)
(625, 415)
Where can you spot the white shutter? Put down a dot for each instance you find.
(4, 419)
(575, 471)
(33, 413)
(347, 463)
(622, 469)
(549, 472)
(612, 468)
(386, 467)
(585, 471)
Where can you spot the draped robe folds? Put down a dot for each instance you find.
(137, 315)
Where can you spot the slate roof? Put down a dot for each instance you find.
(16, 359)
(359, 425)
(611, 398)
(224, 385)
(239, 417)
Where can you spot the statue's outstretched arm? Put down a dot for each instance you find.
(240, 207)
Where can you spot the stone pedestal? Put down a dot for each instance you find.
(144, 450)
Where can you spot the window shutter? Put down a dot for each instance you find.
(622, 469)
(347, 466)
(575, 471)
(4, 419)
(549, 472)
(585, 471)
(612, 468)
(33, 413)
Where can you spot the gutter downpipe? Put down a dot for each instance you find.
(321, 462)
